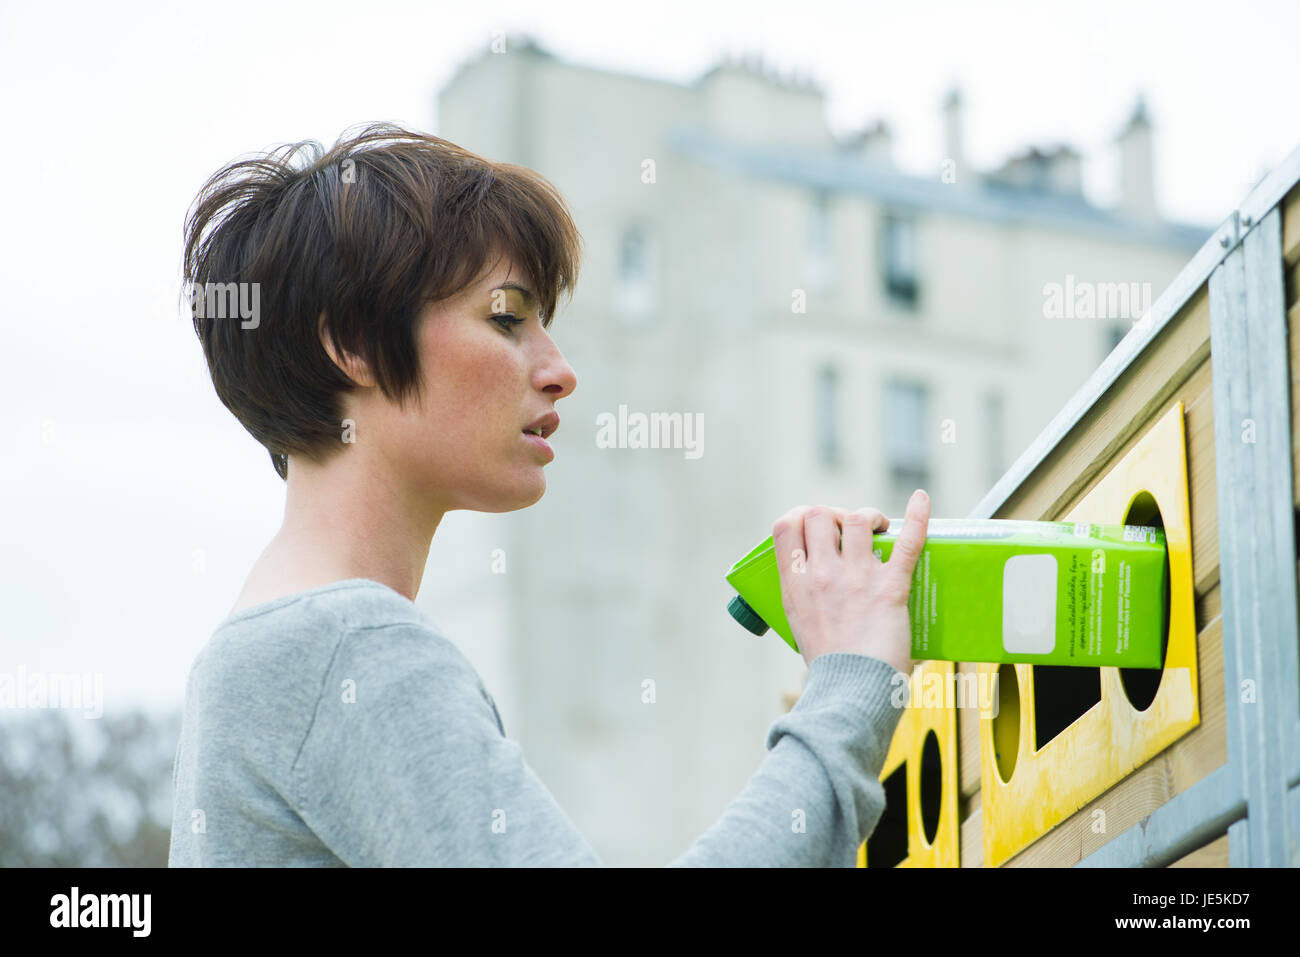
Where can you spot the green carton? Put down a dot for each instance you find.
(1002, 591)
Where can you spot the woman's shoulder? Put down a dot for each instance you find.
(302, 633)
(350, 598)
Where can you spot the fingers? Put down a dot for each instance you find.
(821, 532)
(797, 533)
(911, 539)
(788, 542)
(824, 531)
(859, 531)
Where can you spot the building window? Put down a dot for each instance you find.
(993, 429)
(634, 288)
(827, 411)
(907, 435)
(818, 268)
(898, 244)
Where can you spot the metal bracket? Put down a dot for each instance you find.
(1229, 235)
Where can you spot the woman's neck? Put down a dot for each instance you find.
(344, 519)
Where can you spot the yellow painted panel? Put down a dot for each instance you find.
(932, 707)
(1112, 738)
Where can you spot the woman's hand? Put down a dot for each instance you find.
(841, 597)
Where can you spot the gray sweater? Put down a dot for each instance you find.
(338, 727)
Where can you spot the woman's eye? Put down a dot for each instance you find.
(507, 321)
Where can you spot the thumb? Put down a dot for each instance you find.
(911, 539)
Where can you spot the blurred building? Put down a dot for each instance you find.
(847, 331)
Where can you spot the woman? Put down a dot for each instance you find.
(399, 366)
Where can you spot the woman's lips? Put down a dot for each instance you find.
(540, 443)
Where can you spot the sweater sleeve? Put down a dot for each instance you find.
(406, 764)
(817, 796)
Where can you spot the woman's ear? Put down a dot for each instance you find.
(352, 366)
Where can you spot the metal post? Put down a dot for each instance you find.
(1257, 562)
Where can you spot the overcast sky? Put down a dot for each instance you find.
(135, 504)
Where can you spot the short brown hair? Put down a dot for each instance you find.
(365, 234)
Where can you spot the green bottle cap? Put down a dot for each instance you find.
(741, 611)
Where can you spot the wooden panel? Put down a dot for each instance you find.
(1124, 806)
(972, 841)
(1112, 426)
(1214, 854)
(1176, 367)
(1293, 347)
(1201, 751)
(1197, 393)
(1291, 227)
(1202, 478)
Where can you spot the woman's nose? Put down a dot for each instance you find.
(566, 377)
(557, 372)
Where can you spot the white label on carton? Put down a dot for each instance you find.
(1029, 604)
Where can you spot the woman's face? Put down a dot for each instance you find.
(486, 379)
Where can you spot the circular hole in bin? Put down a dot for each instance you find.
(1006, 723)
(1141, 684)
(931, 787)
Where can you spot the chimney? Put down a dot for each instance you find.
(747, 100)
(1136, 166)
(952, 138)
(1065, 170)
(874, 146)
(1056, 170)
